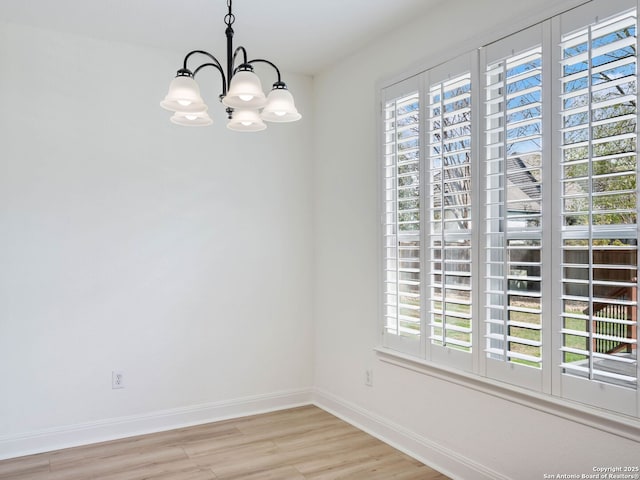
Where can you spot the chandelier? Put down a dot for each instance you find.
(247, 106)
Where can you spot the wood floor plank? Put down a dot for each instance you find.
(25, 465)
(152, 459)
(341, 459)
(209, 447)
(166, 473)
(304, 443)
(282, 456)
(373, 469)
(280, 473)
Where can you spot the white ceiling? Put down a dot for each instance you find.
(301, 36)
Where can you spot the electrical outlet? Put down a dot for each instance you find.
(117, 379)
(368, 378)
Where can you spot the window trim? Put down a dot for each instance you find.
(617, 424)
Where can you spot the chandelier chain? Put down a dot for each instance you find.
(229, 18)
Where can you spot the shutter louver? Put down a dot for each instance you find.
(599, 204)
(402, 216)
(513, 209)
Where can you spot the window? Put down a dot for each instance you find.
(510, 204)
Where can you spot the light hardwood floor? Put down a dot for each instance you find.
(299, 443)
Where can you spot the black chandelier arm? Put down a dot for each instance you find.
(214, 63)
(235, 55)
(219, 68)
(201, 52)
(261, 60)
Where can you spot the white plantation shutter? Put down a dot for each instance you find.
(401, 223)
(449, 223)
(513, 210)
(509, 204)
(599, 211)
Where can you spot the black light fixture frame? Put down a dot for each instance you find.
(232, 54)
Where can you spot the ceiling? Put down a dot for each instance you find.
(302, 36)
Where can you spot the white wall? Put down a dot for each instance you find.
(184, 257)
(505, 439)
(180, 256)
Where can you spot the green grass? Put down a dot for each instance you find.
(571, 341)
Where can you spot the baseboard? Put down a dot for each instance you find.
(452, 464)
(123, 427)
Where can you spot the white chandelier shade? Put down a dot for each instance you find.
(191, 119)
(280, 107)
(242, 95)
(246, 121)
(184, 96)
(245, 91)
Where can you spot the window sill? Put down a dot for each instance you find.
(615, 424)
